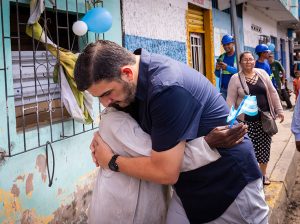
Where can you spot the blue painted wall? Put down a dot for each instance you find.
(24, 193)
(173, 49)
(221, 20)
(298, 8)
(294, 8)
(252, 49)
(164, 33)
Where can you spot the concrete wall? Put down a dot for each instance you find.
(158, 26)
(256, 16)
(24, 193)
(222, 26)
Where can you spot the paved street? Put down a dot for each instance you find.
(282, 171)
(293, 208)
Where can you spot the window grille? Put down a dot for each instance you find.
(197, 52)
(215, 4)
(37, 114)
(263, 39)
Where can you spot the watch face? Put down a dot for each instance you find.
(113, 165)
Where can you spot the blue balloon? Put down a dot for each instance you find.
(271, 47)
(98, 20)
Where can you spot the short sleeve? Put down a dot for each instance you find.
(175, 116)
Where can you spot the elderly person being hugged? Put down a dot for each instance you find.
(255, 81)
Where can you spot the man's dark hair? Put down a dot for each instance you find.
(101, 60)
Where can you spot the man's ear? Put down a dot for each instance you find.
(126, 73)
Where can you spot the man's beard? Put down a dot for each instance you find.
(129, 90)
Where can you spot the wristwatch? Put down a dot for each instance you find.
(112, 163)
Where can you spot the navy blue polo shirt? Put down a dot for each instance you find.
(176, 103)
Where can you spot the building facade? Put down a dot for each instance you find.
(266, 22)
(182, 30)
(46, 171)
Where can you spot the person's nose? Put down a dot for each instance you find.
(105, 101)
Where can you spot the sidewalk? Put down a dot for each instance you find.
(281, 169)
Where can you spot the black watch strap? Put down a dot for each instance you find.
(112, 163)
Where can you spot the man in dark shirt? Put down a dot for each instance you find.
(174, 104)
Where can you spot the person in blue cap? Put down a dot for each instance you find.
(226, 64)
(263, 52)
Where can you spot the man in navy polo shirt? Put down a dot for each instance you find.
(174, 104)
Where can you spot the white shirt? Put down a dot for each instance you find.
(118, 198)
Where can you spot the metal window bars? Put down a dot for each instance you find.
(34, 111)
(196, 41)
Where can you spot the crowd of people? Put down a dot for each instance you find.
(265, 79)
(165, 125)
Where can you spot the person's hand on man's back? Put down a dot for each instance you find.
(225, 137)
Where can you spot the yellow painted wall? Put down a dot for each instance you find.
(200, 21)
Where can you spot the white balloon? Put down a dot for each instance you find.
(79, 28)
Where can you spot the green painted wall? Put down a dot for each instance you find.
(24, 193)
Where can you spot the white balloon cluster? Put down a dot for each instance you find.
(80, 28)
(97, 20)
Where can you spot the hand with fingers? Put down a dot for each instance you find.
(281, 117)
(223, 65)
(101, 152)
(225, 137)
(92, 148)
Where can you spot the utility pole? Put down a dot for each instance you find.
(235, 25)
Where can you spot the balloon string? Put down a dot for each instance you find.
(72, 43)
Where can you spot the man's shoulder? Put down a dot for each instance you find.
(273, 64)
(276, 62)
(257, 62)
(163, 71)
(266, 64)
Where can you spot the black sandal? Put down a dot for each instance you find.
(266, 180)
